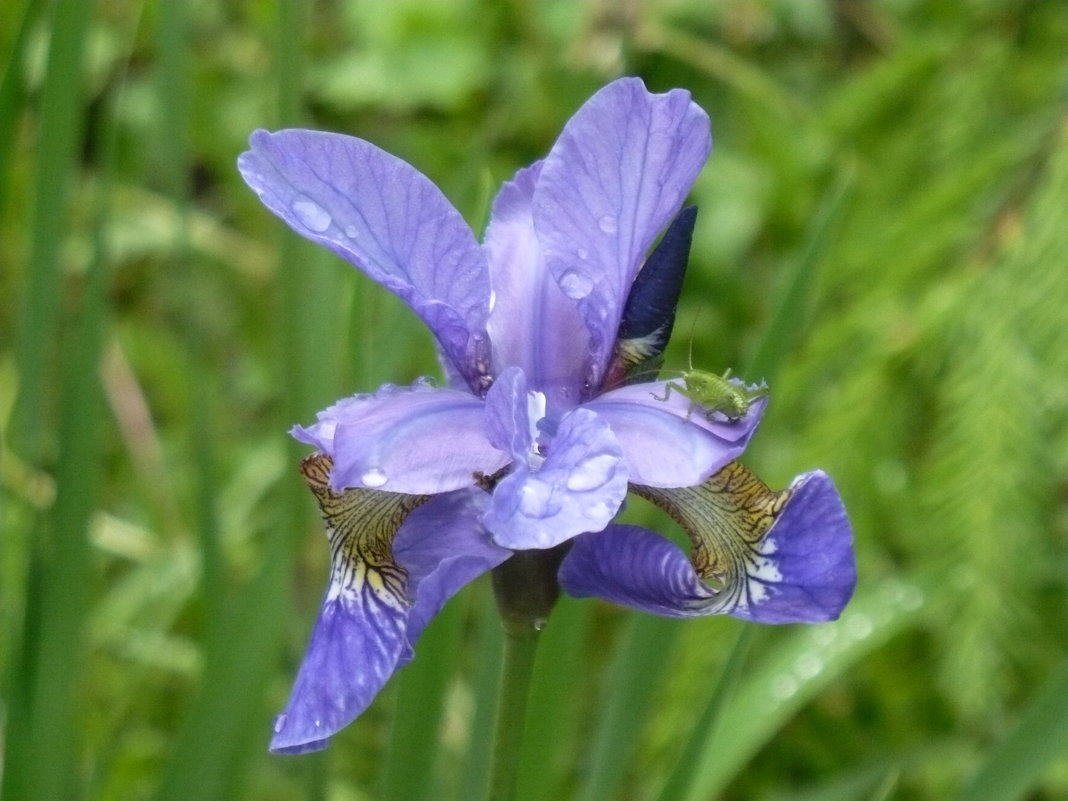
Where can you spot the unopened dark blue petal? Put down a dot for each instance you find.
(649, 315)
(615, 178)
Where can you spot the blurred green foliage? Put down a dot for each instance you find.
(883, 235)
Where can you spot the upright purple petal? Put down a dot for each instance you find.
(614, 179)
(532, 324)
(418, 439)
(382, 215)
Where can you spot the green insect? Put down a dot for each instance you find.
(713, 393)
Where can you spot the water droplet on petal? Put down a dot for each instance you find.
(582, 253)
(597, 511)
(373, 478)
(592, 473)
(534, 499)
(279, 724)
(311, 215)
(352, 232)
(576, 285)
(608, 224)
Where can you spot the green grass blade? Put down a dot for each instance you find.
(60, 131)
(557, 706)
(1016, 764)
(788, 323)
(12, 94)
(791, 673)
(41, 732)
(684, 773)
(473, 781)
(412, 765)
(639, 662)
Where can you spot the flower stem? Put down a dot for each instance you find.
(526, 590)
(517, 668)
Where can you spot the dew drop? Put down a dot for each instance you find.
(582, 253)
(784, 687)
(808, 666)
(539, 623)
(592, 473)
(597, 511)
(576, 285)
(279, 724)
(352, 232)
(373, 478)
(859, 627)
(824, 636)
(311, 215)
(608, 224)
(534, 499)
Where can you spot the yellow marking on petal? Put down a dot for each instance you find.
(360, 526)
(726, 518)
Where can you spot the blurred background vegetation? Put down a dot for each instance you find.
(883, 235)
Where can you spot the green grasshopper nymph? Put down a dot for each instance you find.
(713, 393)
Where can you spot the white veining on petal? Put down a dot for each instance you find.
(311, 215)
(536, 405)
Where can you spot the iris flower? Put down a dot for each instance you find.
(544, 423)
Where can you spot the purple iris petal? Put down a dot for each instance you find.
(355, 646)
(664, 449)
(634, 567)
(443, 546)
(579, 486)
(379, 213)
(418, 439)
(803, 569)
(360, 634)
(812, 545)
(532, 324)
(616, 176)
(424, 488)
